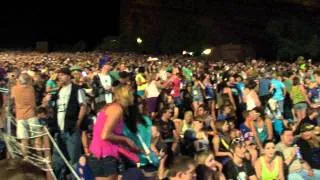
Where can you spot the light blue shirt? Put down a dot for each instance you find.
(278, 90)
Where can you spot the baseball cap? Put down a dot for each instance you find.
(306, 127)
(75, 68)
(104, 60)
(65, 71)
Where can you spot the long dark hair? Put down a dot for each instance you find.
(133, 117)
(296, 81)
(251, 84)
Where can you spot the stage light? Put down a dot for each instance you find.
(139, 40)
(186, 52)
(206, 52)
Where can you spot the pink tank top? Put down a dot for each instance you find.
(102, 148)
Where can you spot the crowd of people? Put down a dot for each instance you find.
(123, 115)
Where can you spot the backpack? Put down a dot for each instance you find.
(98, 92)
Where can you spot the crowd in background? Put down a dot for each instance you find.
(170, 117)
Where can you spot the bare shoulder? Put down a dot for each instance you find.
(114, 108)
(279, 158)
(268, 120)
(257, 162)
(216, 138)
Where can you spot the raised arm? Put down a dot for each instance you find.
(255, 134)
(269, 128)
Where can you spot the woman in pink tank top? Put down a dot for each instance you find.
(108, 138)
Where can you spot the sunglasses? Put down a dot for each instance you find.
(239, 140)
(197, 120)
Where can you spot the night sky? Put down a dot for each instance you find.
(22, 25)
(57, 23)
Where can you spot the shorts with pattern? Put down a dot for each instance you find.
(27, 128)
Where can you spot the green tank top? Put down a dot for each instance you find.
(297, 95)
(266, 174)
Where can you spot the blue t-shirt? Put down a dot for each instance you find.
(278, 90)
(244, 129)
(264, 85)
(222, 117)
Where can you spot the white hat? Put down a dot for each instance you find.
(152, 59)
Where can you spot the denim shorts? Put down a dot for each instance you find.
(140, 93)
(300, 106)
(103, 167)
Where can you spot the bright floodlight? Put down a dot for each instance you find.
(186, 52)
(139, 40)
(207, 51)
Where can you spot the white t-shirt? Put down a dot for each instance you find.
(251, 104)
(106, 82)
(152, 90)
(62, 103)
(163, 75)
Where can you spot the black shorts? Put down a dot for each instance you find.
(104, 167)
(86, 123)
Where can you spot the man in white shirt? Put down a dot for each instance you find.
(64, 96)
(70, 112)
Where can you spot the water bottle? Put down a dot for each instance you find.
(299, 156)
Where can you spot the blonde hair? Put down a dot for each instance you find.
(24, 79)
(54, 76)
(188, 113)
(201, 157)
(123, 95)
